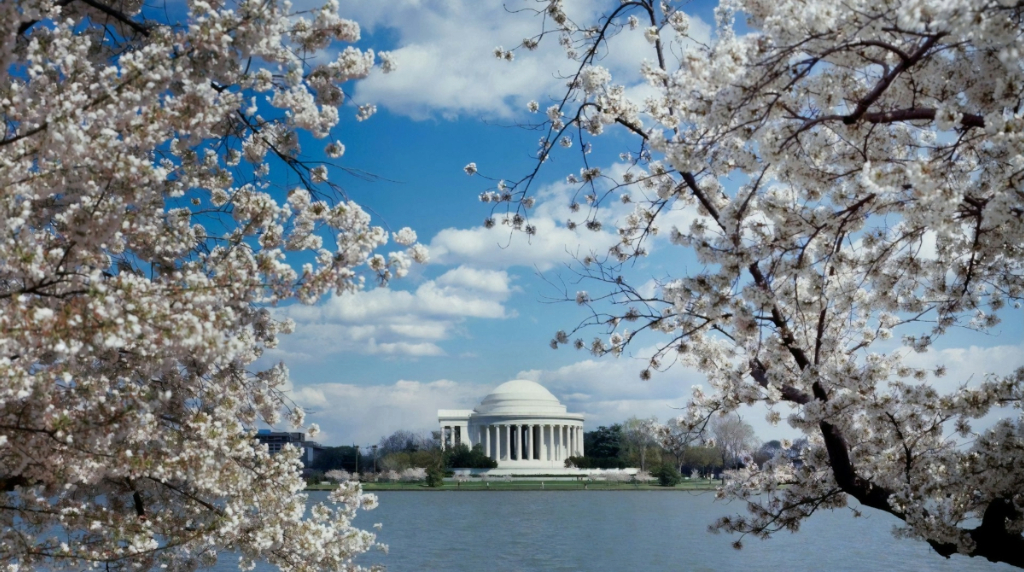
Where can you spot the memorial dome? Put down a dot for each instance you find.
(520, 396)
(521, 425)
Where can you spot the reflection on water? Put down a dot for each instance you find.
(619, 530)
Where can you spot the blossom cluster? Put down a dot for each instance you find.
(144, 243)
(853, 173)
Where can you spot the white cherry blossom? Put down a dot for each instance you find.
(144, 242)
(855, 173)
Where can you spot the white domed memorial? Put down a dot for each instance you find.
(520, 424)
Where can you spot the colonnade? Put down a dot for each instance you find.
(452, 435)
(531, 441)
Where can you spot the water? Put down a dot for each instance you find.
(620, 530)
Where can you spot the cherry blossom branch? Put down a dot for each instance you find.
(887, 79)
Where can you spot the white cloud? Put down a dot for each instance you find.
(606, 390)
(553, 244)
(364, 413)
(609, 390)
(394, 322)
(499, 247)
(968, 365)
(446, 63)
(474, 279)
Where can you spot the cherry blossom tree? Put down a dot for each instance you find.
(676, 437)
(414, 474)
(840, 174)
(733, 436)
(338, 475)
(640, 437)
(145, 232)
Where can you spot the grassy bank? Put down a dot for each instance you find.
(692, 485)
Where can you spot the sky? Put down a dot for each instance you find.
(483, 310)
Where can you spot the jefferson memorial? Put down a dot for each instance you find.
(520, 424)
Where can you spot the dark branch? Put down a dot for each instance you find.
(884, 83)
(920, 113)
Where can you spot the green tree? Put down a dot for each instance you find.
(435, 477)
(402, 441)
(462, 457)
(639, 440)
(734, 437)
(343, 457)
(767, 452)
(604, 442)
(667, 475)
(588, 462)
(703, 459)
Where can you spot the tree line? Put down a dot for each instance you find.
(396, 454)
(645, 444)
(641, 443)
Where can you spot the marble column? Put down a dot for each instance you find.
(508, 441)
(554, 442)
(487, 441)
(529, 442)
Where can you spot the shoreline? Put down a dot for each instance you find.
(703, 486)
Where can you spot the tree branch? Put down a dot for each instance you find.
(886, 81)
(968, 120)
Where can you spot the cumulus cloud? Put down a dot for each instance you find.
(446, 63)
(609, 390)
(606, 390)
(498, 247)
(395, 322)
(970, 366)
(554, 243)
(363, 414)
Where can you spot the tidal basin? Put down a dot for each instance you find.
(520, 531)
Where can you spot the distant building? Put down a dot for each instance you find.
(520, 424)
(276, 440)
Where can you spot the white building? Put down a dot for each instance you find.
(520, 424)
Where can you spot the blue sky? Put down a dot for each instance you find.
(367, 364)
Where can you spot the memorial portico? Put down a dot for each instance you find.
(520, 424)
